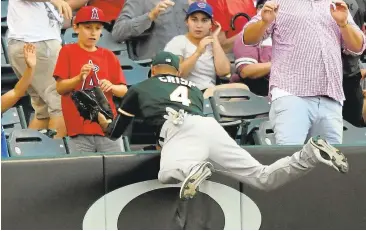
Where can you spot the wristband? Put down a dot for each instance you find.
(343, 26)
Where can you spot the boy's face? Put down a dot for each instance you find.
(89, 33)
(199, 25)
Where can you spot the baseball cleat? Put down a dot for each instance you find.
(328, 154)
(197, 175)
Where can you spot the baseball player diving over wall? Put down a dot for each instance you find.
(189, 140)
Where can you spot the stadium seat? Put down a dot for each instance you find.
(105, 41)
(134, 72)
(13, 119)
(353, 135)
(4, 14)
(4, 47)
(29, 142)
(3, 59)
(131, 43)
(8, 78)
(264, 135)
(70, 36)
(236, 108)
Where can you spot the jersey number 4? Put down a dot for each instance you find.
(180, 95)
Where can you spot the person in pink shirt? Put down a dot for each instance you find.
(306, 68)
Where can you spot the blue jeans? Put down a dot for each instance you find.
(296, 119)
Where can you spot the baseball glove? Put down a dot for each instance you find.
(91, 101)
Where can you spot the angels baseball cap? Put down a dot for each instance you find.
(89, 14)
(200, 6)
(167, 58)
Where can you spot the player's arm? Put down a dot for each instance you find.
(115, 129)
(125, 114)
(11, 97)
(65, 86)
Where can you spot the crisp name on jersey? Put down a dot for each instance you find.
(177, 80)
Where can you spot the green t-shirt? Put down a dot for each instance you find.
(148, 100)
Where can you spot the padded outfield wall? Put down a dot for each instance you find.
(121, 192)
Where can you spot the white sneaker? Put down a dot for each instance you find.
(327, 154)
(197, 175)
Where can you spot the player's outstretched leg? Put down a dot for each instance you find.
(198, 174)
(327, 154)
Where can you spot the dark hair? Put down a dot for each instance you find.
(260, 3)
(90, 22)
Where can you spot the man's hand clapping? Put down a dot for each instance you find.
(159, 8)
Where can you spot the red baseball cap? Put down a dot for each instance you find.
(89, 14)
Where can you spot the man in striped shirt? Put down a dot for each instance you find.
(306, 74)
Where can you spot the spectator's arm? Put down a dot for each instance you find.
(246, 61)
(221, 61)
(363, 73)
(76, 4)
(353, 38)
(226, 43)
(186, 65)
(176, 46)
(131, 22)
(256, 30)
(65, 86)
(10, 98)
(254, 70)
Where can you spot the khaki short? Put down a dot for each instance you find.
(45, 100)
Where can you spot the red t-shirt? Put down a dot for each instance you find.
(224, 10)
(70, 60)
(110, 8)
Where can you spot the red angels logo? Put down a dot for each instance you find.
(94, 14)
(92, 80)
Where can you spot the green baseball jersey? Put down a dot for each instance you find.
(149, 99)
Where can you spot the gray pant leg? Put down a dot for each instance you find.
(106, 145)
(82, 144)
(239, 164)
(183, 148)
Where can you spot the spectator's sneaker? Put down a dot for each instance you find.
(327, 154)
(197, 175)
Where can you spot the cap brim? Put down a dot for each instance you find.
(101, 21)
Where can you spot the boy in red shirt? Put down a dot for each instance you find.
(83, 65)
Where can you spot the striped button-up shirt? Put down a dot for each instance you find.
(306, 55)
